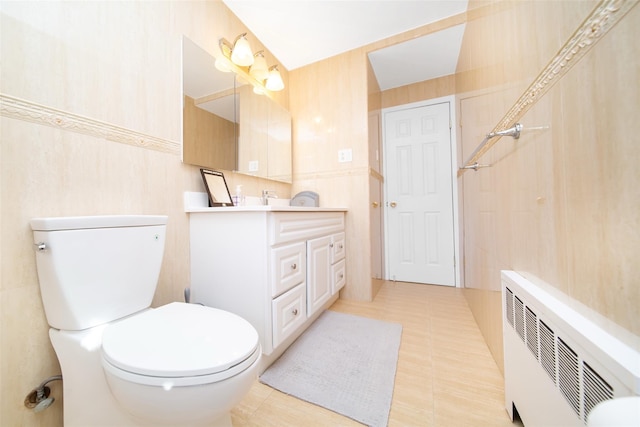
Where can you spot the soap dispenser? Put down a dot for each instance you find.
(238, 198)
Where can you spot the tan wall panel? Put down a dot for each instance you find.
(330, 114)
(429, 89)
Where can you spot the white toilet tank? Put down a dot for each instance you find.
(95, 269)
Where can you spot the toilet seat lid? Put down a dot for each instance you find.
(179, 340)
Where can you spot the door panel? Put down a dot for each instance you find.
(318, 273)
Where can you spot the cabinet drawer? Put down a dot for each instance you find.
(288, 226)
(289, 312)
(338, 276)
(288, 267)
(338, 247)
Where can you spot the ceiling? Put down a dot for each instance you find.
(301, 32)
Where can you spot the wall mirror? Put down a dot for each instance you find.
(227, 126)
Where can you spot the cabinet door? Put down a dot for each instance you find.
(318, 273)
(287, 267)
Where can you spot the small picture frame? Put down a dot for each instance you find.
(217, 188)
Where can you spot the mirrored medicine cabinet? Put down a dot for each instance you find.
(227, 126)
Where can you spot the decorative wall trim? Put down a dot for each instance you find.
(21, 109)
(360, 171)
(603, 17)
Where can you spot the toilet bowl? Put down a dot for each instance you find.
(124, 363)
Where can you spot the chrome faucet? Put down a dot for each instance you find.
(268, 194)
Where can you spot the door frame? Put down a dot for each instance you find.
(451, 100)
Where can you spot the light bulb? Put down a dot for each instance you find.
(259, 70)
(223, 65)
(274, 81)
(241, 54)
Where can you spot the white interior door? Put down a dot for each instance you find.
(419, 197)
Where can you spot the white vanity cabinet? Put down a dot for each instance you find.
(279, 269)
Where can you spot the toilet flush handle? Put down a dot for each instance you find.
(40, 246)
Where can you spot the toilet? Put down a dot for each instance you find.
(124, 363)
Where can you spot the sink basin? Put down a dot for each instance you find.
(257, 201)
(278, 202)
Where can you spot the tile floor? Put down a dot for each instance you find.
(445, 376)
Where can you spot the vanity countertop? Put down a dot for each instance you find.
(198, 203)
(262, 208)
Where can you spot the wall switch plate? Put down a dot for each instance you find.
(253, 166)
(345, 155)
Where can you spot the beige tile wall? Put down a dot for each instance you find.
(560, 205)
(96, 129)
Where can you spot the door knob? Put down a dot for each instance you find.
(374, 204)
(393, 204)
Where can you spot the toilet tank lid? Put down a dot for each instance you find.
(99, 221)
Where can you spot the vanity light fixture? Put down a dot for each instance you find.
(249, 67)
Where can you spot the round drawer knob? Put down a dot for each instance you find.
(294, 311)
(294, 266)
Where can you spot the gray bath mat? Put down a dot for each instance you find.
(344, 363)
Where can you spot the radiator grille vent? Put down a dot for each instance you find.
(532, 331)
(509, 303)
(581, 385)
(518, 314)
(548, 350)
(568, 375)
(596, 389)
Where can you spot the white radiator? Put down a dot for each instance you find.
(558, 364)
